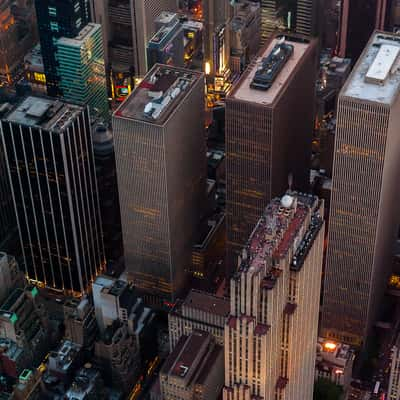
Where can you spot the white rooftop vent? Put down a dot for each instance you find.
(287, 201)
(381, 67)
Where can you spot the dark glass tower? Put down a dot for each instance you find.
(50, 165)
(58, 18)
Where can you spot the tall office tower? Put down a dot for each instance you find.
(307, 21)
(362, 226)
(216, 15)
(358, 20)
(166, 46)
(81, 69)
(161, 167)
(299, 16)
(269, 123)
(245, 32)
(49, 158)
(58, 18)
(127, 28)
(271, 334)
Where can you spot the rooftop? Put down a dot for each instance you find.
(244, 91)
(170, 26)
(84, 384)
(41, 112)
(207, 302)
(192, 358)
(190, 350)
(156, 98)
(81, 37)
(282, 226)
(376, 76)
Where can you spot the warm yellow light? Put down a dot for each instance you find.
(39, 77)
(207, 68)
(330, 346)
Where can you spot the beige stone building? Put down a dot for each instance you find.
(271, 333)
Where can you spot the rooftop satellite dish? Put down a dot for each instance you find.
(287, 201)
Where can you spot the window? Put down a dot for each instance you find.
(54, 26)
(78, 22)
(52, 11)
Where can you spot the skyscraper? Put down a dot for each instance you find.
(271, 334)
(362, 224)
(58, 18)
(358, 20)
(49, 159)
(127, 28)
(166, 46)
(81, 69)
(161, 166)
(300, 16)
(216, 15)
(268, 133)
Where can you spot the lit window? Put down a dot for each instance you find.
(52, 11)
(78, 22)
(54, 26)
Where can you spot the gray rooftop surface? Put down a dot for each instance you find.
(42, 112)
(384, 90)
(163, 86)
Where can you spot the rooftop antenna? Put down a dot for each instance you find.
(290, 181)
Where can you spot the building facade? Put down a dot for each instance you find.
(271, 334)
(128, 26)
(358, 19)
(264, 145)
(194, 369)
(199, 310)
(10, 275)
(245, 31)
(394, 377)
(166, 45)
(300, 16)
(161, 168)
(362, 228)
(104, 157)
(54, 191)
(81, 69)
(56, 19)
(216, 16)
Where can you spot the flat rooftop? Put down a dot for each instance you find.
(376, 75)
(279, 229)
(207, 302)
(80, 38)
(243, 91)
(156, 98)
(42, 112)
